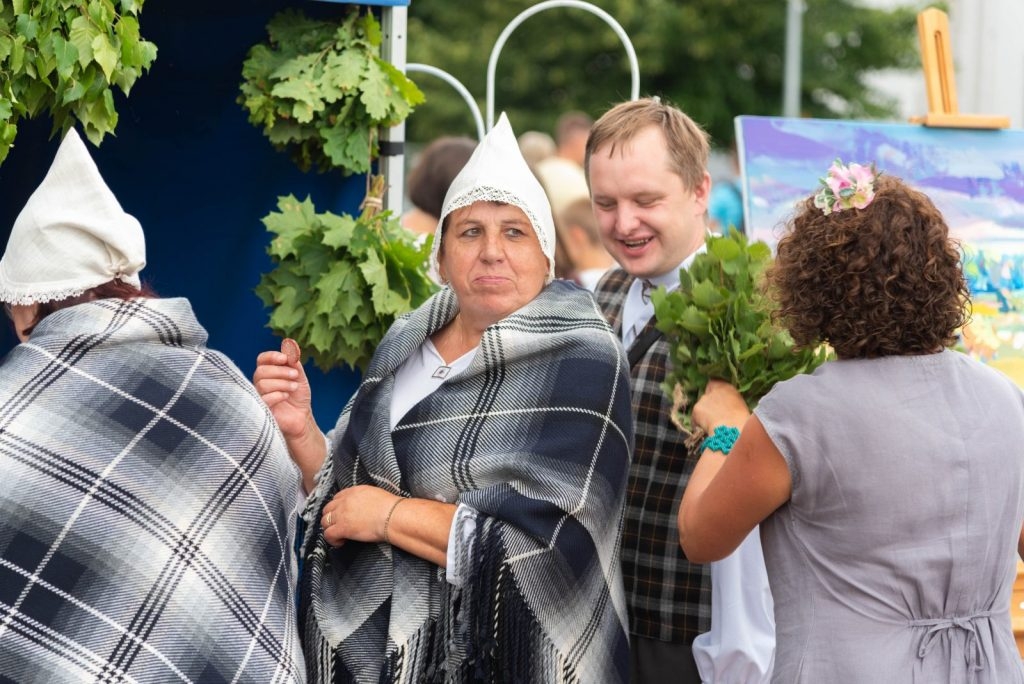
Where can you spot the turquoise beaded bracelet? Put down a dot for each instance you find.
(722, 439)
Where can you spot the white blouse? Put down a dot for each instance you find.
(418, 377)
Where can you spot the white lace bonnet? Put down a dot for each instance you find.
(71, 236)
(497, 172)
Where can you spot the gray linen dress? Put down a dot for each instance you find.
(895, 557)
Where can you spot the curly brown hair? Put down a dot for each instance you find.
(885, 280)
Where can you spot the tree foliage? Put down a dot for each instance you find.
(319, 89)
(714, 58)
(66, 58)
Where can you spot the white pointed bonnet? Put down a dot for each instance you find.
(497, 172)
(71, 236)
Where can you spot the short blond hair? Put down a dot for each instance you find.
(688, 143)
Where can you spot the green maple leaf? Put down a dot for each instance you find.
(292, 220)
(329, 286)
(288, 315)
(337, 229)
(340, 284)
(349, 302)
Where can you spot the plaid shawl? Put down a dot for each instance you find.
(146, 507)
(669, 598)
(535, 436)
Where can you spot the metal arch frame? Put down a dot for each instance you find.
(457, 85)
(492, 63)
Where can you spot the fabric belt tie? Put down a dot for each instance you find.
(975, 656)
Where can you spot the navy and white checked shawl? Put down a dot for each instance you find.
(669, 598)
(535, 435)
(146, 507)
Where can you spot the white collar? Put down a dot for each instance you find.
(635, 312)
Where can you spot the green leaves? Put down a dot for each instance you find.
(719, 326)
(66, 58)
(339, 282)
(317, 89)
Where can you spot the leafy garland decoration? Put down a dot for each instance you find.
(318, 89)
(66, 58)
(719, 325)
(340, 282)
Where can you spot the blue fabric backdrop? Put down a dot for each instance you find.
(187, 163)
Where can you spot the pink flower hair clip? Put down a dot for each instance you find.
(846, 187)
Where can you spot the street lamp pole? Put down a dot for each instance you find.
(794, 49)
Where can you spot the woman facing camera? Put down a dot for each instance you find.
(889, 483)
(468, 503)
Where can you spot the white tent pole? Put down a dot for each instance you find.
(394, 22)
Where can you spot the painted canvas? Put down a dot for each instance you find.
(975, 178)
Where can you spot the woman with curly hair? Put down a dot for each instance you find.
(889, 484)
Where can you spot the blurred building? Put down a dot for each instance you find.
(988, 57)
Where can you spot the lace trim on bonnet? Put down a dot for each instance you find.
(486, 193)
(17, 296)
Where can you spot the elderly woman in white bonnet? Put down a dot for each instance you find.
(465, 510)
(147, 500)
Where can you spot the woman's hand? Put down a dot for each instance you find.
(418, 526)
(358, 512)
(281, 382)
(721, 404)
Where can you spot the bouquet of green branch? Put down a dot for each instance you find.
(65, 59)
(718, 324)
(326, 265)
(320, 89)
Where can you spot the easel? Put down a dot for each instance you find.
(937, 60)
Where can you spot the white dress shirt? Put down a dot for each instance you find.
(635, 311)
(740, 648)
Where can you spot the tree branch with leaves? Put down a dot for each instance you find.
(320, 91)
(67, 57)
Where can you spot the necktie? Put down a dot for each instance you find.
(645, 291)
